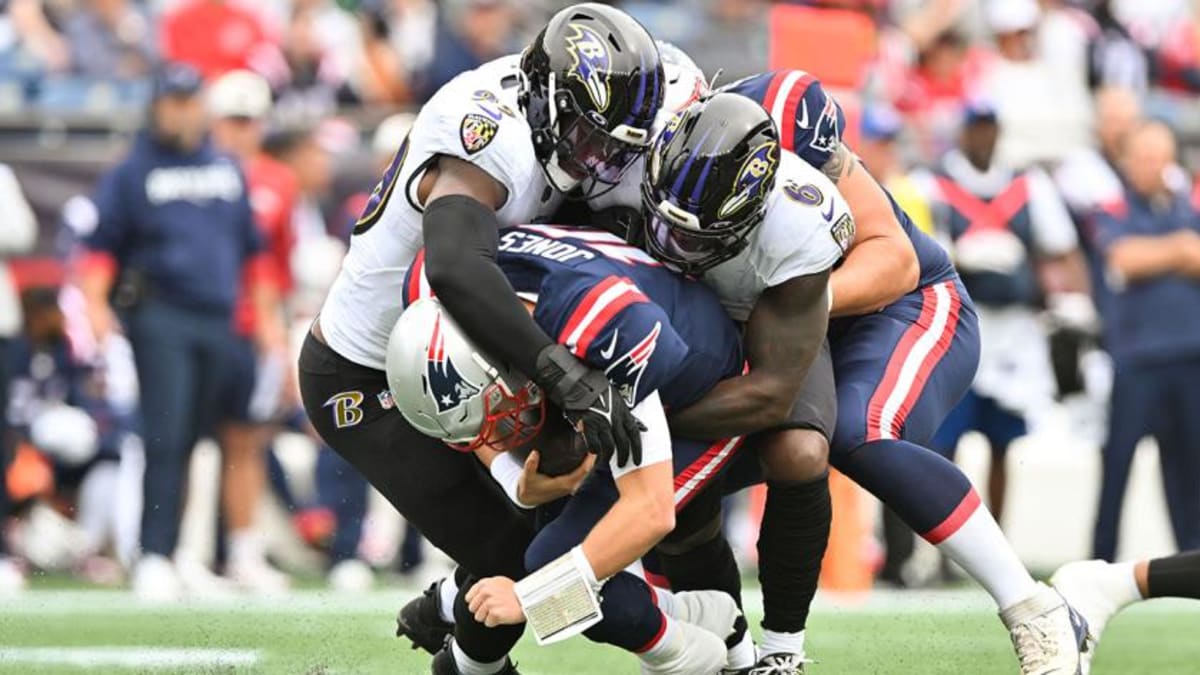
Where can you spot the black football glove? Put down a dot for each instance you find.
(591, 405)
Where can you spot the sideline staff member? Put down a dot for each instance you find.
(173, 235)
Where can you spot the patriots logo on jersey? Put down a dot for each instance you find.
(443, 383)
(590, 63)
(626, 372)
(476, 132)
(751, 178)
(826, 135)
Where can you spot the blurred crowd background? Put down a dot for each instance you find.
(1053, 132)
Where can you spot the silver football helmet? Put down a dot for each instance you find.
(448, 389)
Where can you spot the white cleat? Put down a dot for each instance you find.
(714, 611)
(12, 577)
(1048, 635)
(351, 576)
(258, 577)
(1096, 591)
(155, 580)
(694, 651)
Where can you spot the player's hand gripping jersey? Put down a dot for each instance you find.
(475, 118)
(620, 311)
(811, 124)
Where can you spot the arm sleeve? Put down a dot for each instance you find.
(656, 439)
(252, 235)
(460, 264)
(112, 218)
(1052, 227)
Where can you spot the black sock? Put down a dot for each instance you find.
(791, 544)
(477, 640)
(709, 566)
(1177, 576)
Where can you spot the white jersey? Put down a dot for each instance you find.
(474, 117)
(807, 228)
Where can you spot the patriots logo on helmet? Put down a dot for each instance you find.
(443, 383)
(626, 372)
(590, 63)
(751, 177)
(826, 136)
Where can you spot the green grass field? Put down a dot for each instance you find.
(315, 633)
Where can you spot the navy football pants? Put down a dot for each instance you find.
(1163, 401)
(181, 356)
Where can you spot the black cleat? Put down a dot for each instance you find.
(443, 664)
(779, 664)
(421, 621)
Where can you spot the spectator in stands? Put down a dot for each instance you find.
(33, 43)
(878, 148)
(175, 233)
(1044, 115)
(469, 33)
(239, 102)
(316, 83)
(217, 36)
(1151, 244)
(16, 237)
(1014, 245)
(110, 39)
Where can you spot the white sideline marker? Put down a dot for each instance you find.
(130, 657)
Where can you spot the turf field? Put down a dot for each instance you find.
(316, 633)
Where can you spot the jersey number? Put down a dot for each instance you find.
(382, 192)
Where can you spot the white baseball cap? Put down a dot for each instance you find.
(1011, 16)
(240, 93)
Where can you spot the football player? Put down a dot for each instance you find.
(499, 144)
(1100, 589)
(905, 346)
(663, 341)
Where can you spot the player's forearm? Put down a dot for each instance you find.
(633, 525)
(460, 263)
(738, 406)
(876, 273)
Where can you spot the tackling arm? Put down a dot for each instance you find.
(460, 228)
(783, 335)
(881, 265)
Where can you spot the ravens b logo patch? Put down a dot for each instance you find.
(476, 132)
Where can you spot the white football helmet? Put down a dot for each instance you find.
(686, 83)
(448, 389)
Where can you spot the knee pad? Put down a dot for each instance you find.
(794, 455)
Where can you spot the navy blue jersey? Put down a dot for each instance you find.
(811, 124)
(182, 220)
(618, 310)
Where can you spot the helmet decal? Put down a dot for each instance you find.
(826, 135)
(590, 63)
(626, 372)
(750, 178)
(443, 383)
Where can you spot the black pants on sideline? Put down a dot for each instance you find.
(445, 494)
